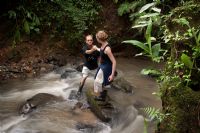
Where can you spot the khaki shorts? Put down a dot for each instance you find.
(86, 72)
(98, 82)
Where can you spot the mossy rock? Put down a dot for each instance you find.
(183, 105)
(102, 109)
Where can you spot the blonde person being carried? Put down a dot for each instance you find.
(91, 55)
(106, 71)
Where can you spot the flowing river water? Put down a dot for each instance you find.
(59, 116)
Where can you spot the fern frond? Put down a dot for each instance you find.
(153, 113)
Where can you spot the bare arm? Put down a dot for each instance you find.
(112, 58)
(94, 48)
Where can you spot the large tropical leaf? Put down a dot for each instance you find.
(156, 49)
(149, 15)
(147, 6)
(138, 44)
(149, 28)
(187, 61)
(139, 26)
(156, 9)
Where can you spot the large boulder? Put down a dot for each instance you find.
(37, 100)
(122, 84)
(102, 109)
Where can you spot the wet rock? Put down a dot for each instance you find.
(77, 105)
(122, 84)
(104, 110)
(37, 100)
(68, 73)
(43, 69)
(73, 95)
(79, 68)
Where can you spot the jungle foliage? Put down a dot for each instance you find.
(175, 27)
(67, 18)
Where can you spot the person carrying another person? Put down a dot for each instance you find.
(91, 56)
(106, 71)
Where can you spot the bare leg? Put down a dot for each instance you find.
(82, 84)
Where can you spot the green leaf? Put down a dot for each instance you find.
(182, 21)
(149, 15)
(153, 113)
(138, 44)
(37, 21)
(148, 35)
(29, 15)
(142, 22)
(147, 6)
(156, 9)
(149, 71)
(139, 26)
(26, 27)
(148, 31)
(37, 30)
(198, 39)
(12, 14)
(156, 49)
(187, 61)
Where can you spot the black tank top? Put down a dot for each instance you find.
(104, 57)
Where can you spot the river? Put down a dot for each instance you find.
(60, 117)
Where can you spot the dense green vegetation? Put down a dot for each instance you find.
(177, 32)
(170, 32)
(70, 19)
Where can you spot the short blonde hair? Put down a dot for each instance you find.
(102, 35)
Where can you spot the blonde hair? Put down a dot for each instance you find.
(102, 35)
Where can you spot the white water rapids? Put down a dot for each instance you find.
(58, 117)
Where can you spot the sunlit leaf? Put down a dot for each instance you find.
(182, 21)
(143, 22)
(149, 15)
(29, 15)
(156, 9)
(139, 26)
(153, 39)
(151, 72)
(138, 44)
(140, 54)
(148, 31)
(145, 7)
(187, 61)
